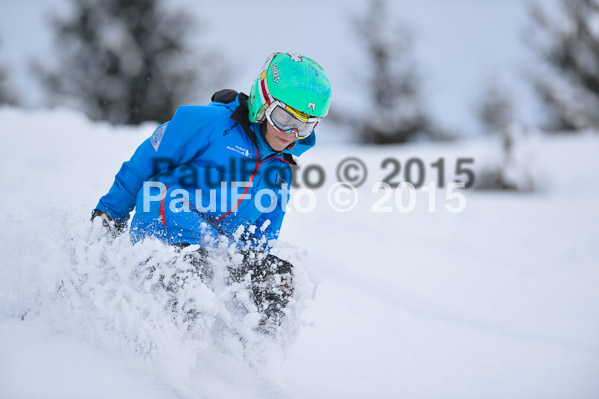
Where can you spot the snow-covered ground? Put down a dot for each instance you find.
(496, 301)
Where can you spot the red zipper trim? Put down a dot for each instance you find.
(162, 213)
(251, 179)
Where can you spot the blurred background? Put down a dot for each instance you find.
(499, 300)
(433, 70)
(401, 72)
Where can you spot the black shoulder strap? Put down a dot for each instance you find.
(224, 96)
(241, 115)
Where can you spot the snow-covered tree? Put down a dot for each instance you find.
(495, 110)
(570, 46)
(509, 164)
(396, 113)
(7, 97)
(124, 61)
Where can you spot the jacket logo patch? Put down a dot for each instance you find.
(156, 138)
(240, 150)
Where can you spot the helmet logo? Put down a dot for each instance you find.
(274, 70)
(313, 106)
(295, 57)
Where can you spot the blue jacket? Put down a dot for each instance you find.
(205, 177)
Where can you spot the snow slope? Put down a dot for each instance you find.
(497, 301)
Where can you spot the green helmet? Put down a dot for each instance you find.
(294, 80)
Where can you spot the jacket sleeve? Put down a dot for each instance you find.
(173, 143)
(268, 225)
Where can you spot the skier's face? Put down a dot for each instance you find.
(276, 139)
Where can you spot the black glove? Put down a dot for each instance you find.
(271, 284)
(113, 226)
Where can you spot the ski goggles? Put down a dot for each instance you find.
(289, 120)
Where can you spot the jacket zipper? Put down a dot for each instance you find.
(251, 179)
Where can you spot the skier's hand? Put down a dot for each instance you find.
(113, 227)
(271, 285)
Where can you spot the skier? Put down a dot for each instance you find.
(223, 170)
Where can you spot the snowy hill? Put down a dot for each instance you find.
(496, 301)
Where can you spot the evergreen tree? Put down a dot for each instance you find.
(396, 113)
(7, 96)
(571, 48)
(123, 61)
